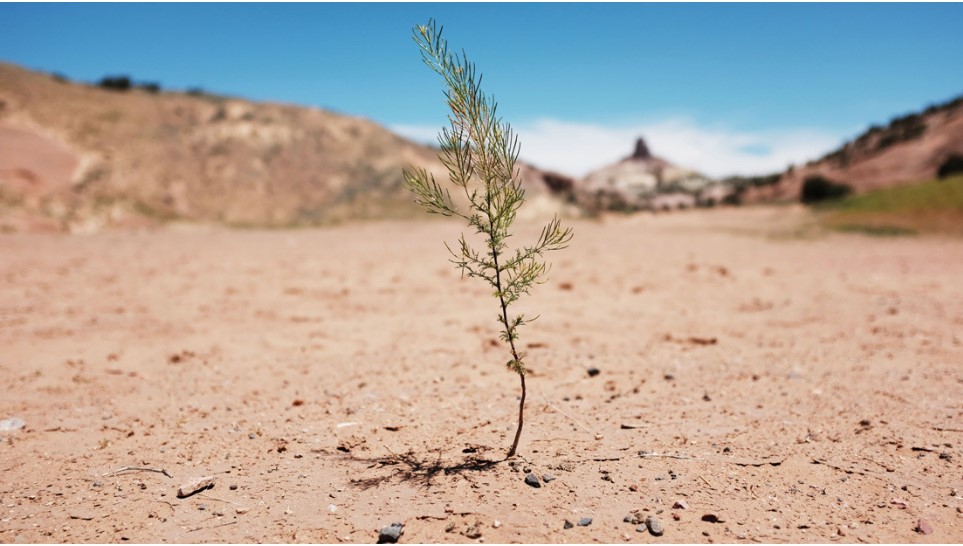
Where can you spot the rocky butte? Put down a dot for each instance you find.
(643, 181)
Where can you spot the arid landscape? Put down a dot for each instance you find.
(759, 379)
(228, 320)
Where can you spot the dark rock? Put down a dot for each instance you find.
(712, 518)
(473, 532)
(567, 525)
(233, 487)
(593, 371)
(585, 522)
(641, 150)
(681, 504)
(391, 533)
(547, 477)
(532, 480)
(654, 525)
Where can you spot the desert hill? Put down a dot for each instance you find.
(643, 181)
(80, 157)
(909, 149)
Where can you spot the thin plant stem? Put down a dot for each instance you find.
(480, 152)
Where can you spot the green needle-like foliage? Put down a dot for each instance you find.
(480, 151)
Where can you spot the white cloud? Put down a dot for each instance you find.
(578, 148)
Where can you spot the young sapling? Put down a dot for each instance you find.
(480, 150)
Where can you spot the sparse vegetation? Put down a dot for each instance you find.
(818, 188)
(480, 151)
(125, 83)
(115, 83)
(931, 206)
(898, 130)
(150, 87)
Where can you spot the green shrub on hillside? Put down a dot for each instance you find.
(952, 165)
(115, 83)
(817, 188)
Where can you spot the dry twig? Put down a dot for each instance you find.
(138, 469)
(646, 455)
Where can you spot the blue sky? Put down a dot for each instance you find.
(722, 88)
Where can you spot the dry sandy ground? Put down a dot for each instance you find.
(331, 381)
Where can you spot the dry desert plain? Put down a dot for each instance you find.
(759, 381)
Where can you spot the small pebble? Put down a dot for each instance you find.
(567, 525)
(332, 508)
(532, 480)
(547, 478)
(98, 484)
(585, 522)
(202, 507)
(233, 487)
(641, 528)
(391, 533)
(633, 487)
(681, 505)
(841, 530)
(252, 436)
(924, 527)
(654, 525)
(242, 510)
(593, 371)
(496, 524)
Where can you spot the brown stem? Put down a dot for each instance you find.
(521, 418)
(511, 341)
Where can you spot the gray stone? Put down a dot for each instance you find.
(532, 480)
(391, 533)
(547, 478)
(585, 522)
(654, 525)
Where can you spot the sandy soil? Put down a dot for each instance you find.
(332, 381)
